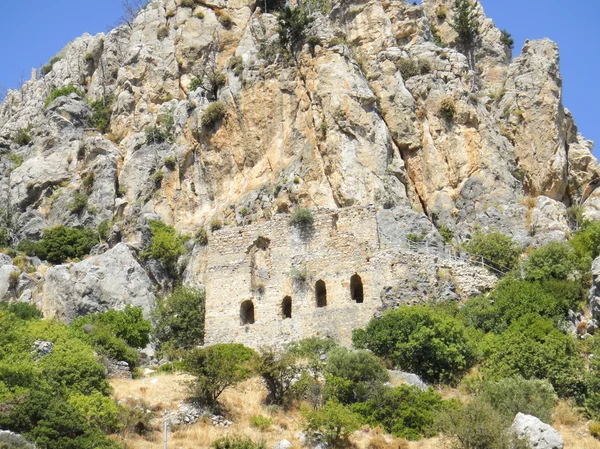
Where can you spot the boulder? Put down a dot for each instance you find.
(538, 434)
(14, 440)
(110, 280)
(283, 444)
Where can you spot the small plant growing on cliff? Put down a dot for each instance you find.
(62, 92)
(202, 237)
(214, 113)
(225, 20)
(465, 22)
(23, 137)
(446, 233)
(302, 217)
(162, 33)
(101, 114)
(78, 203)
(448, 108)
(506, 39)
(47, 68)
(16, 159)
(166, 246)
(187, 3)
(60, 243)
(157, 134)
(171, 163)
(216, 224)
(499, 250)
(236, 64)
(292, 24)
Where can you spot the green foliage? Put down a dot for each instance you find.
(214, 113)
(501, 251)
(586, 245)
(292, 24)
(594, 429)
(99, 411)
(261, 422)
(78, 203)
(196, 83)
(166, 246)
(420, 340)
(22, 310)
(47, 68)
(237, 442)
(278, 371)
(16, 159)
(101, 114)
(162, 33)
(513, 395)
(448, 108)
(62, 92)
(23, 137)
(465, 23)
(158, 134)
(88, 181)
(446, 233)
(178, 320)
(60, 243)
(506, 39)
(236, 64)
(476, 425)
(4, 238)
(225, 20)
(202, 236)
(311, 349)
(353, 376)
(532, 347)
(128, 324)
(403, 411)
(302, 218)
(553, 261)
(187, 3)
(410, 67)
(216, 224)
(104, 229)
(333, 423)
(171, 162)
(106, 343)
(216, 368)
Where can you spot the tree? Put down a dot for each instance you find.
(166, 246)
(466, 24)
(131, 8)
(216, 368)
(499, 250)
(333, 422)
(279, 371)
(420, 340)
(178, 320)
(292, 24)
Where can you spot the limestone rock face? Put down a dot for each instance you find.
(538, 434)
(380, 109)
(107, 281)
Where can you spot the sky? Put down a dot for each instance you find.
(32, 32)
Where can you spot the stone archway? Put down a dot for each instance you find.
(247, 312)
(286, 307)
(321, 293)
(356, 289)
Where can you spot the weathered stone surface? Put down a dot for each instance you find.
(107, 281)
(538, 434)
(15, 440)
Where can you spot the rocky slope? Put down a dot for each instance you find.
(345, 122)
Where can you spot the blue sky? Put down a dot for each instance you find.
(32, 32)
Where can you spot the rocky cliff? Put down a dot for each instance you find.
(378, 106)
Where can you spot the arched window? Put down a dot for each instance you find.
(286, 307)
(247, 312)
(356, 289)
(321, 293)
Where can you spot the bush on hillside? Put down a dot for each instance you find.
(62, 92)
(237, 442)
(79, 201)
(215, 368)
(420, 340)
(178, 320)
(47, 68)
(214, 113)
(279, 372)
(553, 261)
(353, 376)
(60, 243)
(166, 246)
(532, 347)
(333, 423)
(403, 411)
(501, 251)
(302, 217)
(101, 114)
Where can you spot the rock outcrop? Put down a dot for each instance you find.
(537, 434)
(378, 107)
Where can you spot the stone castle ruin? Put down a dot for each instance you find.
(272, 283)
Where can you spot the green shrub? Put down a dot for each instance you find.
(237, 442)
(4, 238)
(353, 376)
(302, 217)
(225, 20)
(188, 3)
(99, 411)
(128, 324)
(586, 244)
(101, 114)
(410, 67)
(475, 425)
(311, 350)
(216, 224)
(178, 319)
(22, 310)
(104, 229)
(553, 261)
(499, 250)
(448, 108)
(446, 233)
(532, 347)
(166, 246)
(202, 237)
(420, 340)
(261, 422)
(23, 137)
(61, 243)
(216, 368)
(16, 159)
(594, 429)
(333, 423)
(278, 371)
(107, 344)
(162, 33)
(62, 92)
(513, 395)
(158, 134)
(506, 39)
(88, 181)
(78, 203)
(47, 68)
(292, 24)
(213, 114)
(171, 163)
(403, 411)
(236, 64)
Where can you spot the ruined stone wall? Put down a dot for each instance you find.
(257, 267)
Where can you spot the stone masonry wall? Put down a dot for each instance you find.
(259, 265)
